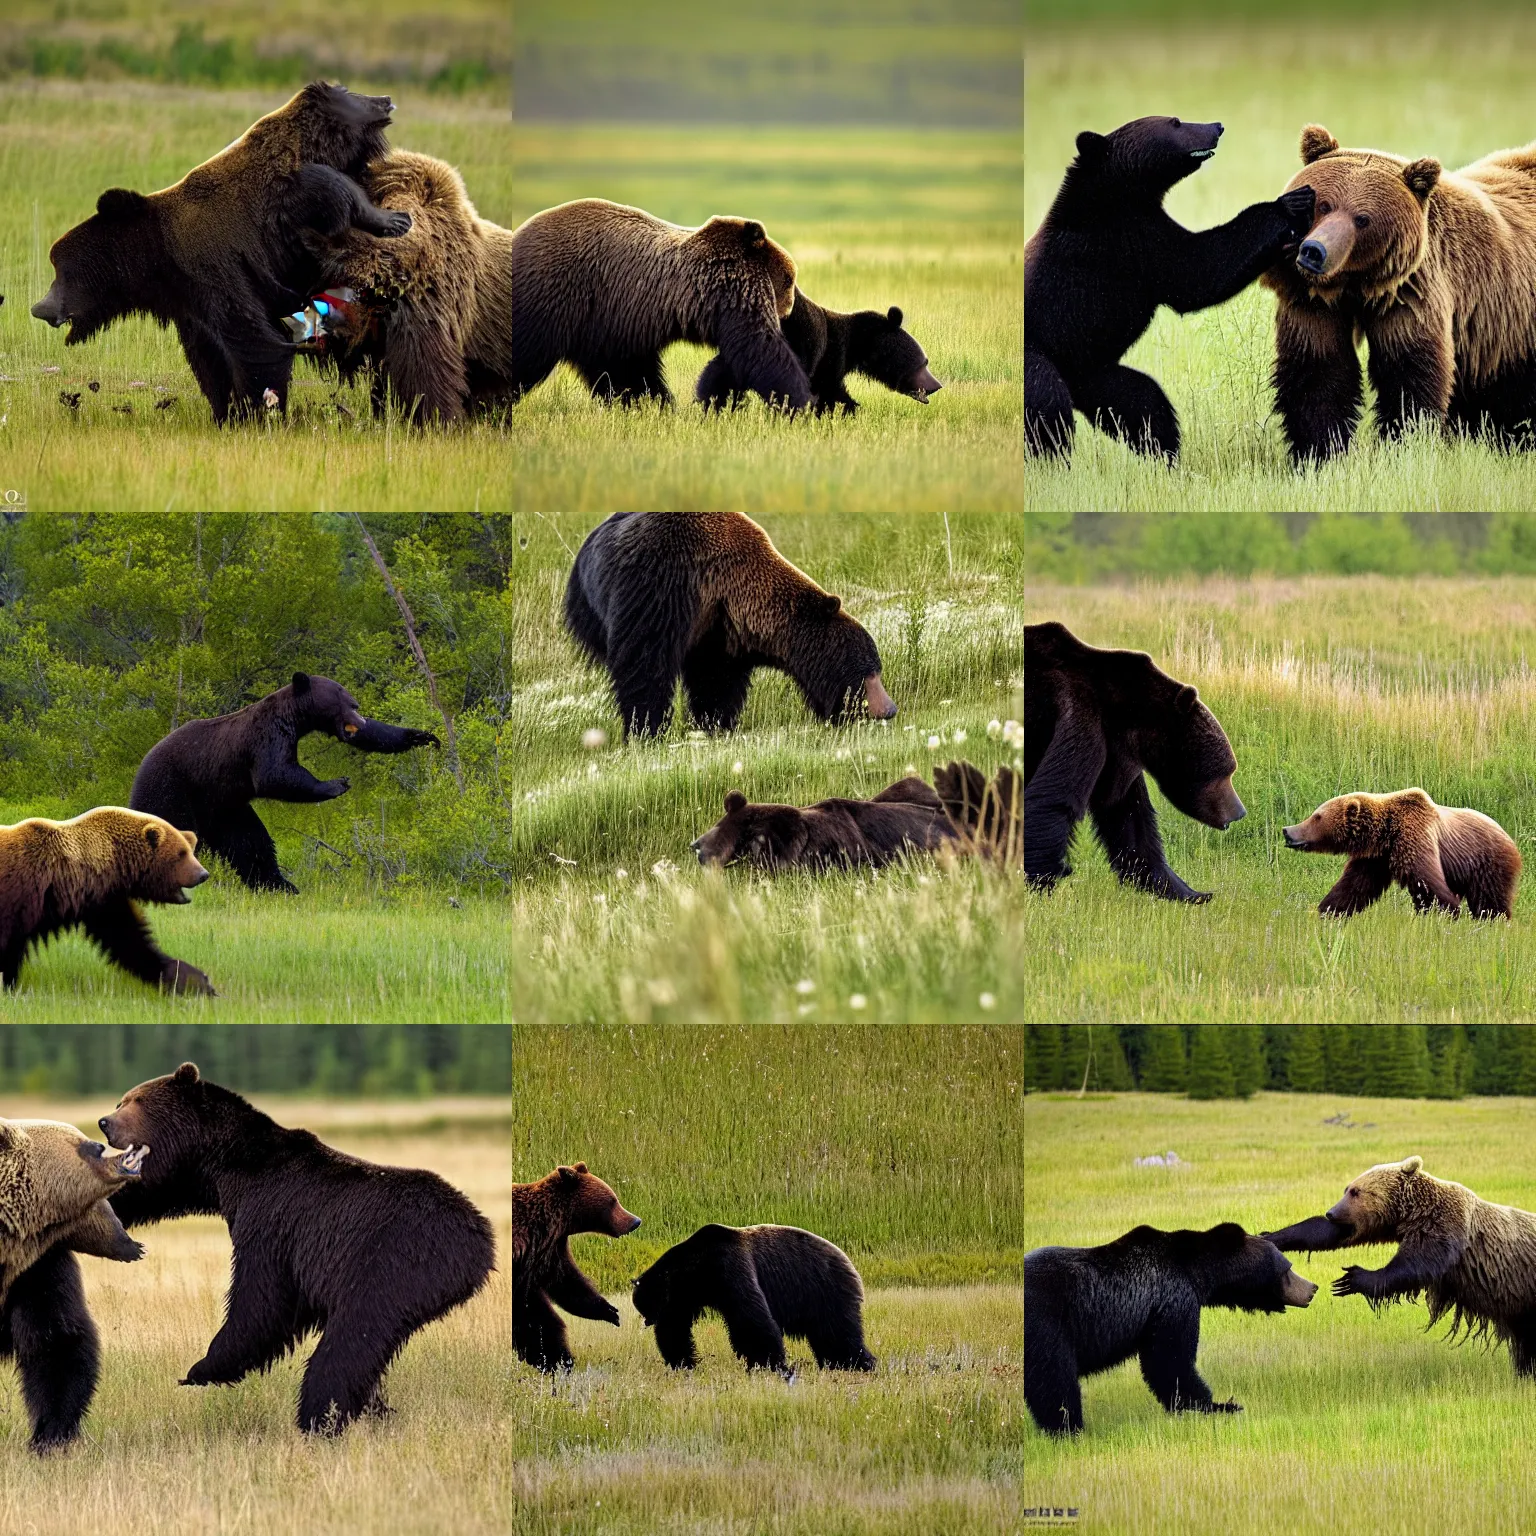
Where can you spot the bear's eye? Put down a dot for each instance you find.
(1362, 220)
(1323, 208)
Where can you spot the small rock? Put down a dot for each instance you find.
(51, 370)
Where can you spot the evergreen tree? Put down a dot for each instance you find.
(1042, 1056)
(1449, 1061)
(1245, 1050)
(1210, 1068)
(1395, 1061)
(1305, 1067)
(1164, 1067)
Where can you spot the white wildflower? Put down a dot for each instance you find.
(594, 739)
(737, 766)
(857, 1001)
(994, 729)
(621, 874)
(986, 1000)
(935, 741)
(805, 986)
(957, 737)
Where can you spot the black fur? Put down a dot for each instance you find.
(765, 1282)
(365, 1253)
(1103, 260)
(46, 1328)
(204, 775)
(1088, 1309)
(1095, 723)
(830, 346)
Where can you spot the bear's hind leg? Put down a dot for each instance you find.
(1131, 406)
(754, 1332)
(716, 683)
(344, 1373)
(1052, 1391)
(57, 1352)
(1048, 423)
(627, 380)
(246, 845)
(1501, 409)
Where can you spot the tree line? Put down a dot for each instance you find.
(1216, 1061)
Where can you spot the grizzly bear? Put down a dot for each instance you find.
(222, 253)
(705, 595)
(1096, 722)
(1106, 256)
(205, 774)
(91, 873)
(53, 1188)
(1434, 270)
(1438, 855)
(545, 1215)
(1088, 1309)
(365, 1253)
(1461, 1254)
(606, 287)
(765, 1282)
(904, 817)
(433, 308)
(830, 346)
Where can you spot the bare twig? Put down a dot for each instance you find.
(320, 842)
(563, 545)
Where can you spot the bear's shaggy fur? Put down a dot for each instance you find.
(365, 1253)
(606, 287)
(988, 816)
(434, 307)
(1462, 1254)
(1435, 270)
(705, 596)
(766, 1282)
(1437, 854)
(1095, 723)
(1106, 256)
(545, 1215)
(830, 346)
(205, 774)
(53, 1187)
(1088, 1309)
(904, 817)
(223, 253)
(91, 873)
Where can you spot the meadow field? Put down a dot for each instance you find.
(903, 1147)
(185, 1462)
(145, 439)
(1323, 685)
(1430, 83)
(1350, 1417)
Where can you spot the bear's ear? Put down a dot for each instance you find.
(187, 1073)
(567, 1175)
(1186, 699)
(753, 235)
(1412, 1164)
(1316, 142)
(152, 835)
(120, 203)
(301, 682)
(1091, 147)
(10, 1136)
(894, 316)
(581, 1167)
(825, 604)
(735, 801)
(1421, 176)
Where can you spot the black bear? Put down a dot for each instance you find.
(1103, 260)
(1095, 723)
(365, 1253)
(765, 1282)
(830, 346)
(204, 775)
(224, 253)
(705, 595)
(91, 873)
(1087, 1309)
(545, 1215)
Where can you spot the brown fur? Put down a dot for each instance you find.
(1441, 284)
(91, 873)
(989, 817)
(545, 1215)
(435, 305)
(1438, 854)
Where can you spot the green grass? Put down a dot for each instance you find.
(924, 220)
(1453, 88)
(903, 1147)
(61, 145)
(1350, 1416)
(1323, 685)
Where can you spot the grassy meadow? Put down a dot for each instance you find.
(62, 143)
(923, 219)
(1345, 1410)
(903, 1147)
(1430, 83)
(1323, 685)
(186, 1461)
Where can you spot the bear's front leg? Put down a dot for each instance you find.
(1412, 366)
(1317, 383)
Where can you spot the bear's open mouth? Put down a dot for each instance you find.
(131, 1163)
(1201, 154)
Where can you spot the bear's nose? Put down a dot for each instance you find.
(103, 1124)
(1219, 129)
(1312, 255)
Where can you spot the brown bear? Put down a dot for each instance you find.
(53, 1187)
(606, 287)
(705, 596)
(1096, 722)
(204, 775)
(1438, 855)
(1435, 270)
(545, 1215)
(222, 253)
(1462, 1254)
(988, 816)
(365, 1253)
(91, 873)
(433, 313)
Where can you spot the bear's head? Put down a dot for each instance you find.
(322, 705)
(676, 1270)
(328, 125)
(114, 264)
(769, 836)
(881, 350)
(1183, 747)
(53, 1175)
(733, 242)
(159, 862)
(180, 1112)
(833, 658)
(1359, 823)
(1234, 1269)
(587, 1204)
(1370, 225)
(1391, 1198)
(1147, 156)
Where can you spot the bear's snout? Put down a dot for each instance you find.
(1327, 249)
(1312, 255)
(48, 308)
(1293, 837)
(1297, 1290)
